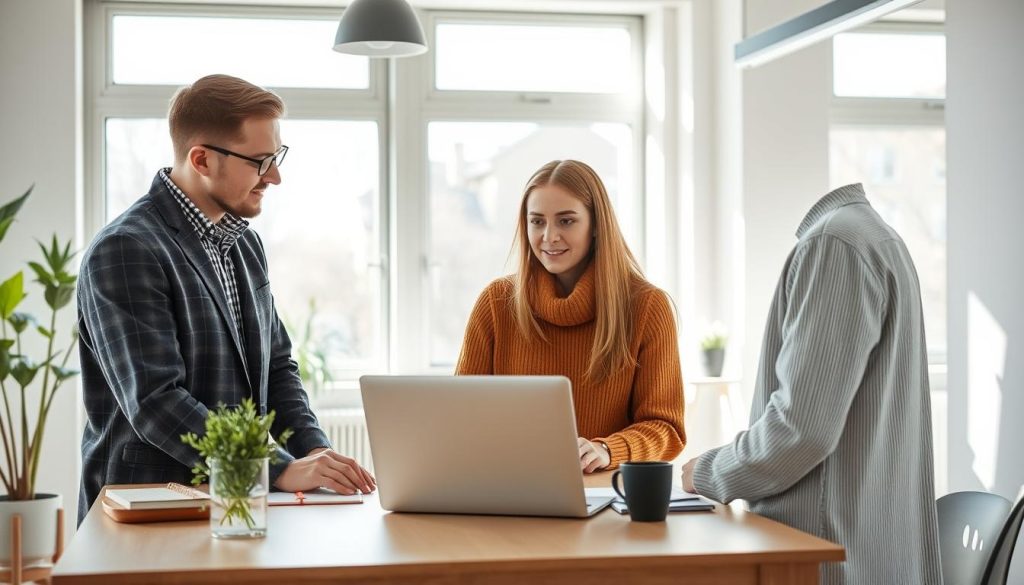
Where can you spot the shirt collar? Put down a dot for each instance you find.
(853, 193)
(225, 233)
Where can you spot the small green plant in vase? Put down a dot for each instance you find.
(235, 453)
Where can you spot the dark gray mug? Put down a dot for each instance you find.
(648, 489)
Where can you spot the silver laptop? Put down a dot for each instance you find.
(476, 445)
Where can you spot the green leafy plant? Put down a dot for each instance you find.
(716, 337)
(21, 457)
(236, 440)
(309, 353)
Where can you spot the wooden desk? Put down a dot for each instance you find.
(364, 544)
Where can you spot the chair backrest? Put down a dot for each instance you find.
(969, 525)
(998, 569)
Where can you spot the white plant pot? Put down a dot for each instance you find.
(38, 529)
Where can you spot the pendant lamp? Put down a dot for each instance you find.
(380, 28)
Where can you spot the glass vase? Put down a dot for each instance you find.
(238, 493)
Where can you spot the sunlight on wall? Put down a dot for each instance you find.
(986, 360)
(687, 112)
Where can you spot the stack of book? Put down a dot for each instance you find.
(171, 496)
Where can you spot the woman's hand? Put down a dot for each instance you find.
(593, 455)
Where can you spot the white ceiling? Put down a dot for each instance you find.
(925, 11)
(593, 6)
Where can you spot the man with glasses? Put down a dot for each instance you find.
(175, 310)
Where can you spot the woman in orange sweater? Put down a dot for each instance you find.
(579, 306)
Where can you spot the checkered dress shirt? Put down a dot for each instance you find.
(217, 240)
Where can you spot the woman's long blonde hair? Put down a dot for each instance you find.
(616, 271)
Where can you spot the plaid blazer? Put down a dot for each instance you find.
(159, 348)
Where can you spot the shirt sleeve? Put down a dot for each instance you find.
(290, 403)
(477, 355)
(832, 321)
(285, 393)
(657, 432)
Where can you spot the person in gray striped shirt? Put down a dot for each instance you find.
(840, 437)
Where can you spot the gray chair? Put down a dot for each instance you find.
(998, 568)
(969, 526)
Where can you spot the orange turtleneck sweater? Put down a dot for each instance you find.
(637, 412)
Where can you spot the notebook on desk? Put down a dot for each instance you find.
(476, 445)
(315, 497)
(679, 501)
(171, 496)
(697, 504)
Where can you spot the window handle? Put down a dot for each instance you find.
(380, 264)
(429, 264)
(535, 99)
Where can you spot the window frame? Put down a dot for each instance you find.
(402, 99)
(420, 103)
(881, 111)
(893, 112)
(105, 100)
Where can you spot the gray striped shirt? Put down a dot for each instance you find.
(840, 437)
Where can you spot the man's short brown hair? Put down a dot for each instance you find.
(214, 108)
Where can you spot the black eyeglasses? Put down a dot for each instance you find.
(263, 164)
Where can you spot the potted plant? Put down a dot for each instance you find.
(236, 450)
(32, 384)
(713, 347)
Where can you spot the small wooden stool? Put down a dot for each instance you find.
(17, 574)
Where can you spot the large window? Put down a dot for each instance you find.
(886, 64)
(477, 173)
(533, 56)
(510, 93)
(188, 47)
(324, 226)
(393, 212)
(888, 133)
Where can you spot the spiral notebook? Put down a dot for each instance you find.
(311, 498)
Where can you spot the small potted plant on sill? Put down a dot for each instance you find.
(32, 384)
(713, 347)
(236, 450)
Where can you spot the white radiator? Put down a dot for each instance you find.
(346, 428)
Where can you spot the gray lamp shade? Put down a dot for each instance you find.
(380, 28)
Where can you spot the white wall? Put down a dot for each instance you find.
(768, 164)
(697, 113)
(40, 122)
(985, 137)
(785, 168)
